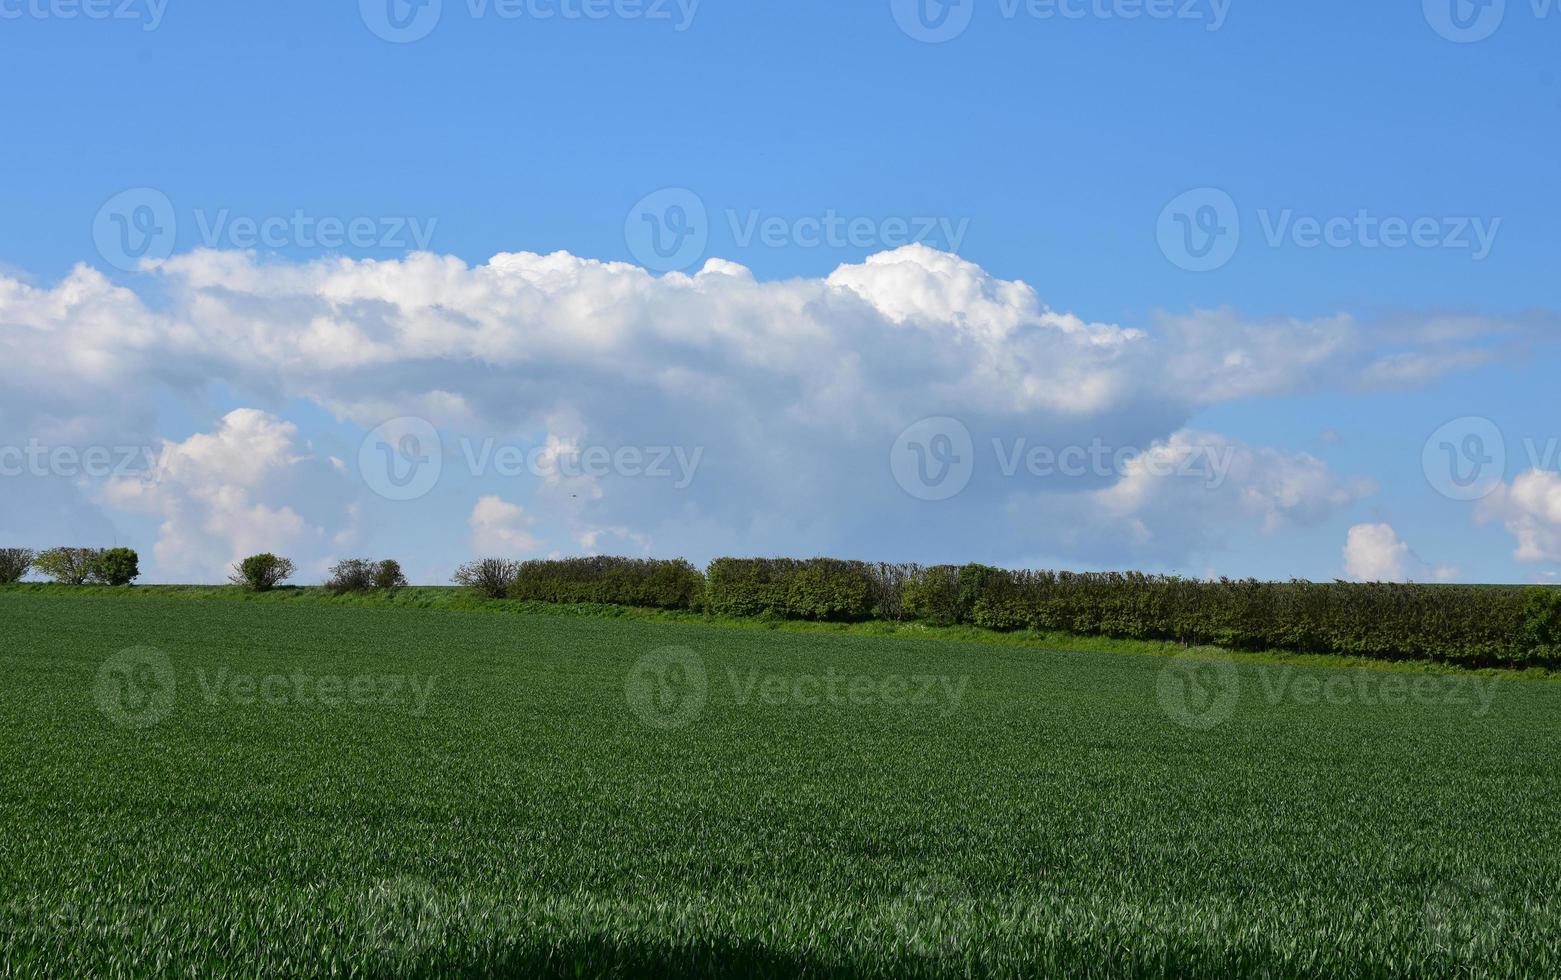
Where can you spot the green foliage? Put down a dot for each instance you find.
(1541, 629)
(1465, 625)
(1472, 626)
(643, 582)
(116, 566)
(363, 575)
(67, 566)
(262, 573)
(388, 576)
(789, 588)
(490, 577)
(932, 595)
(14, 563)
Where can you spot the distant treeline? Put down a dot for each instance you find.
(1466, 625)
(1471, 626)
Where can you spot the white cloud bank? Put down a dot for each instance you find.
(793, 390)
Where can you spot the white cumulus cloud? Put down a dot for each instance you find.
(1375, 553)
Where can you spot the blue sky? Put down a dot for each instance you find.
(1043, 144)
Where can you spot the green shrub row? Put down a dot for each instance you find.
(620, 581)
(1464, 625)
(814, 588)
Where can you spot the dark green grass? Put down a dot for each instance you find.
(1056, 818)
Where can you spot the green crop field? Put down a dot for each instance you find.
(199, 787)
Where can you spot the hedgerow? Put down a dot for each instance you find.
(790, 588)
(1465, 625)
(617, 581)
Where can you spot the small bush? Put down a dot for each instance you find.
(388, 576)
(618, 581)
(262, 573)
(490, 577)
(67, 566)
(14, 563)
(361, 575)
(116, 566)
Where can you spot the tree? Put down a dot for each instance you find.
(490, 577)
(262, 573)
(67, 566)
(116, 566)
(14, 563)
